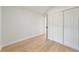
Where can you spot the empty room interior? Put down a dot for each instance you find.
(39, 28)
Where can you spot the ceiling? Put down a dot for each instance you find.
(38, 9)
(42, 10)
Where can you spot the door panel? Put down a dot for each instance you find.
(55, 27)
(76, 26)
(68, 28)
(71, 31)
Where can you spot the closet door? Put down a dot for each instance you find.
(71, 31)
(76, 27)
(55, 27)
(68, 28)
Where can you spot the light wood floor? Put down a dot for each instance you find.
(37, 44)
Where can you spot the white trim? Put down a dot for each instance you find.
(62, 44)
(22, 39)
(50, 38)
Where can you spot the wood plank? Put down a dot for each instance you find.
(37, 44)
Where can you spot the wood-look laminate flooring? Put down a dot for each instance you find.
(37, 44)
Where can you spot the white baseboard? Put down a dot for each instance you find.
(22, 39)
(62, 43)
(50, 38)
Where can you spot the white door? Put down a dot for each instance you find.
(55, 27)
(71, 28)
(76, 27)
(68, 28)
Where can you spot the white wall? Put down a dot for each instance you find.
(19, 23)
(0, 27)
